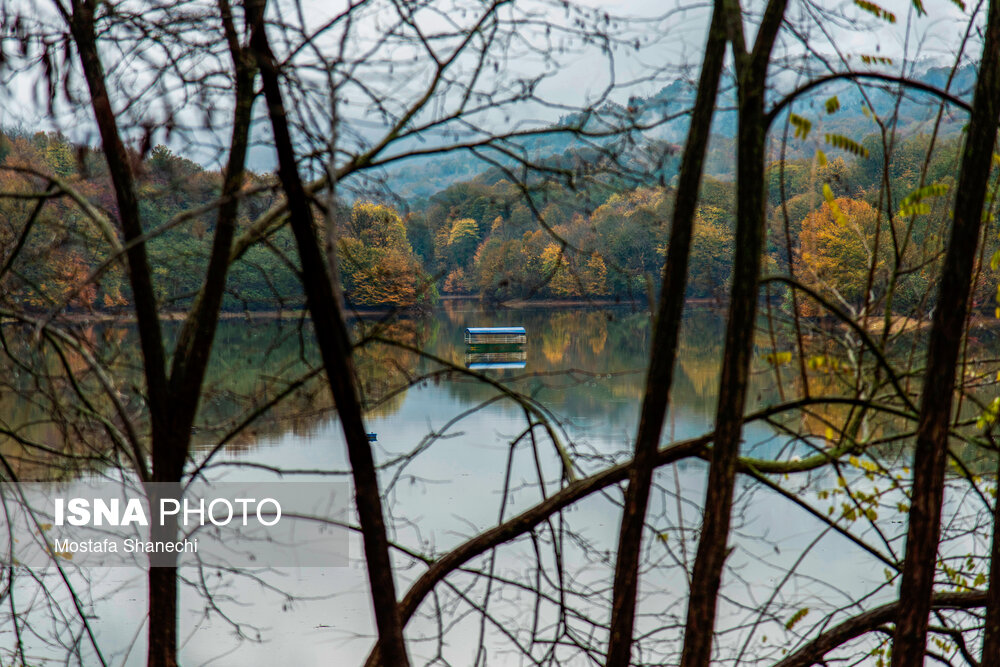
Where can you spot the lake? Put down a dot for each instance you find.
(444, 441)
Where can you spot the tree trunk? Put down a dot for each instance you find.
(664, 349)
(991, 632)
(920, 563)
(162, 651)
(173, 401)
(122, 178)
(335, 349)
(734, 380)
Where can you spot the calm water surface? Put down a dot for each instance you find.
(449, 445)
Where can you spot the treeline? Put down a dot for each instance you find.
(834, 222)
(61, 260)
(837, 224)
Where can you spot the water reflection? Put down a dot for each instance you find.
(483, 357)
(445, 442)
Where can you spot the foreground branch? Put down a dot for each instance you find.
(863, 623)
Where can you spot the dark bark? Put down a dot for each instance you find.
(162, 649)
(734, 380)
(162, 630)
(194, 342)
(948, 326)
(335, 349)
(991, 631)
(173, 401)
(664, 348)
(192, 351)
(119, 162)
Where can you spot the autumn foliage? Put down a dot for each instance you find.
(483, 238)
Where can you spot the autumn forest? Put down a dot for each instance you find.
(606, 333)
(480, 237)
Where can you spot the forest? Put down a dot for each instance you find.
(756, 417)
(499, 241)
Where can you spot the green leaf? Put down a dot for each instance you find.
(875, 60)
(802, 125)
(918, 208)
(796, 617)
(932, 190)
(832, 105)
(883, 14)
(838, 215)
(846, 144)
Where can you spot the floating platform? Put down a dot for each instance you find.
(495, 336)
(508, 359)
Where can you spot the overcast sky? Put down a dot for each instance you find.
(671, 45)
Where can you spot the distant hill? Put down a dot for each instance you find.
(664, 114)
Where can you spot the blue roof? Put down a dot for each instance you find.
(495, 330)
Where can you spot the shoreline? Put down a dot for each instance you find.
(98, 317)
(875, 325)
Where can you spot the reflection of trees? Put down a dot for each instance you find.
(117, 400)
(253, 366)
(699, 355)
(384, 371)
(596, 324)
(556, 339)
(47, 432)
(610, 346)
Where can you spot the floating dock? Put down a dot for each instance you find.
(497, 359)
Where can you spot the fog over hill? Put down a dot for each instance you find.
(665, 118)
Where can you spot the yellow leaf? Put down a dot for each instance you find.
(778, 358)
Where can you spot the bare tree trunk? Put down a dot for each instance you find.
(751, 69)
(664, 348)
(991, 632)
(162, 649)
(119, 163)
(194, 342)
(173, 400)
(335, 349)
(919, 565)
(162, 631)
